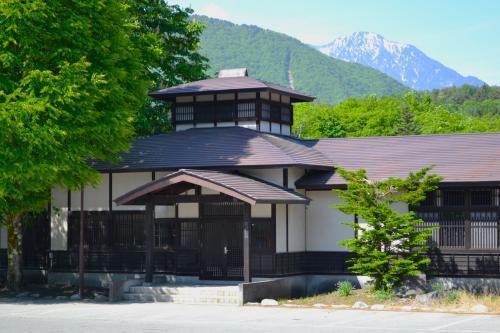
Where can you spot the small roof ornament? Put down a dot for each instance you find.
(233, 72)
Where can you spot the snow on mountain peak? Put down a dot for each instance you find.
(401, 61)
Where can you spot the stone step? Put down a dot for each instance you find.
(140, 297)
(186, 291)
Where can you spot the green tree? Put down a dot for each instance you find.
(388, 247)
(71, 81)
(172, 40)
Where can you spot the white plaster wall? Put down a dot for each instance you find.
(125, 182)
(285, 129)
(183, 127)
(324, 228)
(188, 210)
(264, 126)
(184, 99)
(261, 210)
(274, 176)
(164, 212)
(226, 124)
(94, 198)
(204, 125)
(248, 124)
(3, 238)
(205, 190)
(204, 98)
(59, 220)
(293, 175)
(225, 97)
(247, 95)
(275, 128)
(296, 228)
(280, 228)
(160, 174)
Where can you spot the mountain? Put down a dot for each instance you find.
(281, 59)
(403, 62)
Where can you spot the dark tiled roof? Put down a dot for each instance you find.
(216, 148)
(227, 84)
(244, 188)
(458, 157)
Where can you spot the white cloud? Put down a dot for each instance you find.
(213, 10)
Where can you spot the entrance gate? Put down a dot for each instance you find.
(221, 249)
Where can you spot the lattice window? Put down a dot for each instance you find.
(452, 198)
(481, 198)
(164, 233)
(184, 112)
(225, 111)
(246, 110)
(128, 229)
(286, 114)
(266, 111)
(204, 112)
(189, 235)
(226, 208)
(275, 112)
(262, 235)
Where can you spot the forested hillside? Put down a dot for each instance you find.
(475, 101)
(278, 58)
(381, 116)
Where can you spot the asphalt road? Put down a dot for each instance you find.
(164, 317)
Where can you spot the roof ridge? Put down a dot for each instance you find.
(290, 140)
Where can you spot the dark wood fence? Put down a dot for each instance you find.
(465, 264)
(461, 230)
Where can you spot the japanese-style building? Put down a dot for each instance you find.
(231, 194)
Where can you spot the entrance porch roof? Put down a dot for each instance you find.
(243, 188)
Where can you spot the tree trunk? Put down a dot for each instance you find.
(14, 252)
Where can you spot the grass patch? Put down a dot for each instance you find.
(454, 301)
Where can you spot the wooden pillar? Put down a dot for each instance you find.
(148, 238)
(247, 229)
(81, 257)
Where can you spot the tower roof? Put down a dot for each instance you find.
(228, 84)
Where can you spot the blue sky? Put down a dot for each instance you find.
(463, 35)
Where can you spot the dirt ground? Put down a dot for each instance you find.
(457, 302)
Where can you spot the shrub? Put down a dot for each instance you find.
(438, 286)
(451, 297)
(344, 288)
(383, 295)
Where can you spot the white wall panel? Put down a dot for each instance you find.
(274, 176)
(94, 198)
(188, 210)
(183, 127)
(264, 126)
(248, 124)
(324, 228)
(275, 128)
(280, 229)
(204, 125)
(59, 220)
(261, 210)
(125, 182)
(296, 228)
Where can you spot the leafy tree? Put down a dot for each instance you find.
(71, 81)
(174, 39)
(388, 247)
(381, 116)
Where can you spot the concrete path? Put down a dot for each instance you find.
(164, 317)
